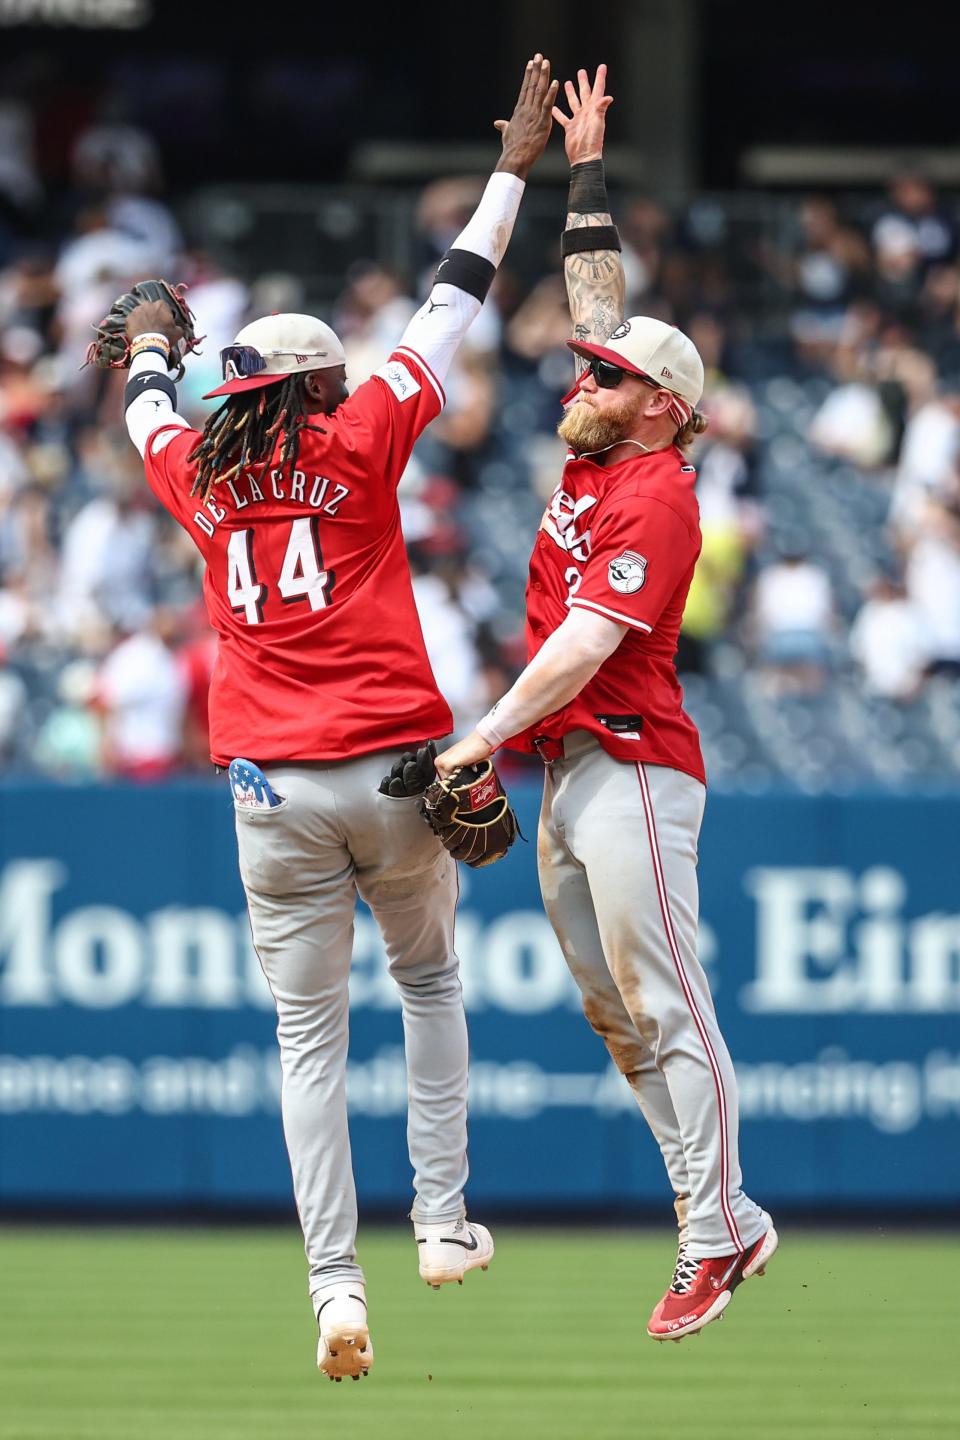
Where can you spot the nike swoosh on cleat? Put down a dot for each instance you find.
(719, 1284)
(473, 1244)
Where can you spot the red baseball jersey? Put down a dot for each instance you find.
(321, 655)
(623, 541)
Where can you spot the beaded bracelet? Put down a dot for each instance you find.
(150, 340)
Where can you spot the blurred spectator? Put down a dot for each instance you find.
(888, 640)
(933, 581)
(937, 315)
(541, 323)
(464, 425)
(793, 621)
(929, 455)
(370, 315)
(107, 547)
(826, 273)
(141, 693)
(28, 557)
(449, 633)
(914, 212)
(898, 258)
(196, 657)
(853, 423)
(644, 231)
(69, 745)
(95, 264)
(731, 522)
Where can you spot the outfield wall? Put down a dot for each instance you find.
(137, 1060)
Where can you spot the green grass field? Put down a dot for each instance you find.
(207, 1335)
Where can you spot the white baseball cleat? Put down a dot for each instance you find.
(345, 1346)
(450, 1248)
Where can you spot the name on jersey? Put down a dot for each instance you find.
(563, 523)
(324, 496)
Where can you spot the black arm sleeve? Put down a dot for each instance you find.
(149, 380)
(466, 271)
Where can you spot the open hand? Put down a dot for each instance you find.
(526, 133)
(583, 128)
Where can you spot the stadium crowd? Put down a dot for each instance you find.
(822, 635)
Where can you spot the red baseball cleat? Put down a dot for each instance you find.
(702, 1289)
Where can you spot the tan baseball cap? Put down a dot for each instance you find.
(654, 350)
(274, 347)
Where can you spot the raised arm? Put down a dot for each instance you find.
(466, 271)
(591, 263)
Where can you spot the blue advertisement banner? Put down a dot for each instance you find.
(138, 1064)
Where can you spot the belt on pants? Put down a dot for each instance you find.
(564, 747)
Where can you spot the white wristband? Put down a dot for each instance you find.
(488, 731)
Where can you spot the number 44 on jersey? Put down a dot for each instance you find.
(302, 576)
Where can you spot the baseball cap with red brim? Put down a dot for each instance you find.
(655, 352)
(274, 348)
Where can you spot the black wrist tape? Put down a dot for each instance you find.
(466, 271)
(588, 189)
(589, 237)
(149, 380)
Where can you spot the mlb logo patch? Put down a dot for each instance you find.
(399, 378)
(627, 573)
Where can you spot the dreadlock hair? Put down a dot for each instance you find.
(244, 432)
(687, 433)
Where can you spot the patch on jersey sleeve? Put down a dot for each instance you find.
(161, 438)
(627, 573)
(399, 378)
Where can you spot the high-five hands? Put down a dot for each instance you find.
(526, 133)
(583, 128)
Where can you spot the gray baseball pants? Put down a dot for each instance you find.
(617, 857)
(302, 864)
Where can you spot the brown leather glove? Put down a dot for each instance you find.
(471, 814)
(111, 349)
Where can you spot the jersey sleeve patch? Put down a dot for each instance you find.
(400, 379)
(160, 439)
(627, 572)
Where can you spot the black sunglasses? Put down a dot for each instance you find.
(239, 362)
(608, 376)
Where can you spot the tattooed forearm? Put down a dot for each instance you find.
(595, 288)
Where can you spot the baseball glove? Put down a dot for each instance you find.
(471, 814)
(111, 349)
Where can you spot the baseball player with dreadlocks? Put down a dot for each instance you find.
(600, 703)
(322, 678)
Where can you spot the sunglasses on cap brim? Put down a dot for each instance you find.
(240, 362)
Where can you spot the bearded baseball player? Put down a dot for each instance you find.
(624, 778)
(321, 684)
